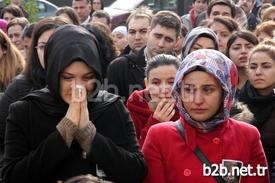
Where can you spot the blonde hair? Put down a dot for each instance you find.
(267, 13)
(12, 61)
(267, 46)
(267, 27)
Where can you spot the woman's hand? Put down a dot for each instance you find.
(78, 105)
(164, 110)
(84, 115)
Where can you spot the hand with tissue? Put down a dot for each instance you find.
(78, 111)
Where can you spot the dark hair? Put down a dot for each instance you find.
(228, 22)
(105, 43)
(207, 1)
(246, 35)
(102, 14)
(28, 30)
(141, 12)
(102, 6)
(161, 60)
(228, 3)
(87, 1)
(167, 19)
(33, 70)
(205, 35)
(70, 12)
(12, 9)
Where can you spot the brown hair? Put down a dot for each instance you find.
(267, 46)
(246, 35)
(221, 2)
(21, 21)
(12, 9)
(267, 13)
(267, 27)
(12, 62)
(167, 19)
(70, 12)
(228, 22)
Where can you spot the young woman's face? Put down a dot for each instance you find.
(223, 34)
(160, 81)
(202, 43)
(8, 16)
(261, 72)
(201, 95)
(271, 17)
(43, 39)
(238, 52)
(200, 5)
(96, 4)
(120, 40)
(78, 73)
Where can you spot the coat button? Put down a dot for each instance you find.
(187, 172)
(216, 140)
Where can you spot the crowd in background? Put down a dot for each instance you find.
(137, 102)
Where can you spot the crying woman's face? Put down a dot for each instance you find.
(76, 76)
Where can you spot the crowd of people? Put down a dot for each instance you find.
(163, 98)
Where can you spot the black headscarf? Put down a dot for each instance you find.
(68, 44)
(260, 106)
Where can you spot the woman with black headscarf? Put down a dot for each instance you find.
(70, 127)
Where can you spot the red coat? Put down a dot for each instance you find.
(170, 159)
(141, 114)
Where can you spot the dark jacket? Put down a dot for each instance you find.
(15, 91)
(35, 150)
(126, 74)
(127, 50)
(263, 108)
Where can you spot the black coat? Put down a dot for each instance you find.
(127, 73)
(36, 152)
(263, 108)
(19, 88)
(15, 91)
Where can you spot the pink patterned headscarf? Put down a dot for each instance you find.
(219, 66)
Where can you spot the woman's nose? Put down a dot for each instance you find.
(198, 97)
